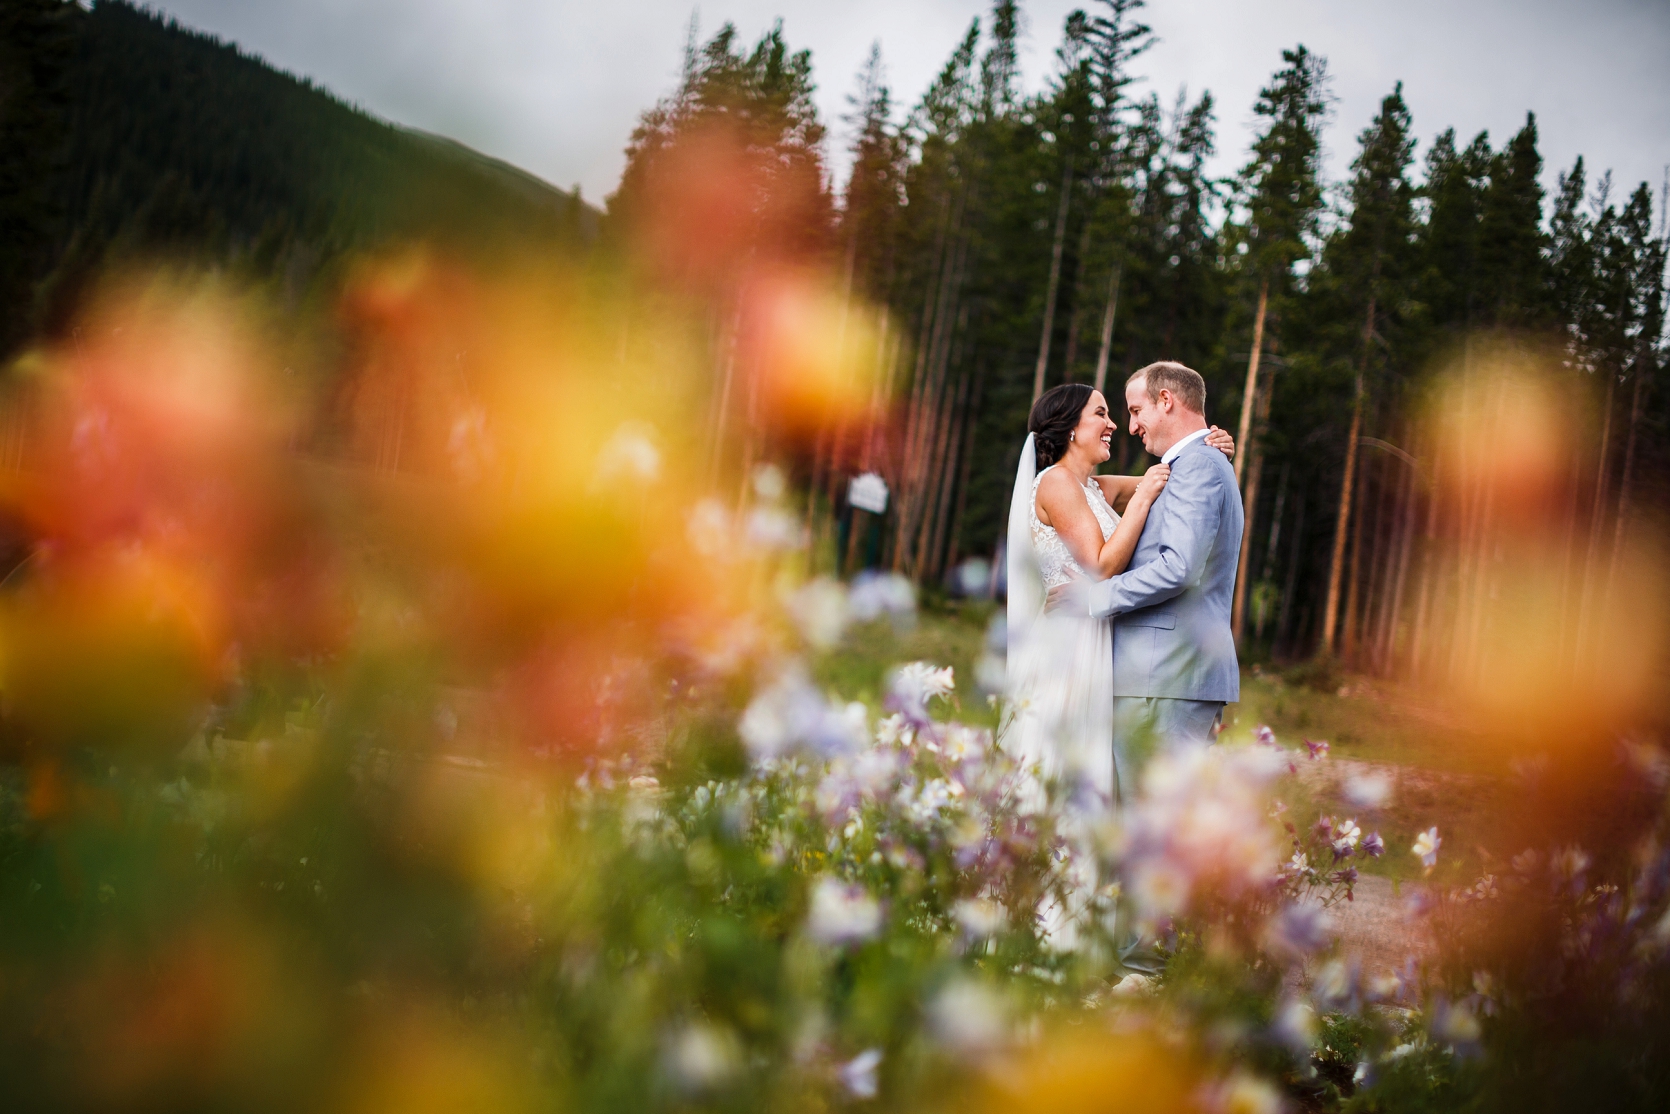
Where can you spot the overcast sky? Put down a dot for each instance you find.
(555, 86)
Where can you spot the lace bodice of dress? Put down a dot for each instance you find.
(1054, 558)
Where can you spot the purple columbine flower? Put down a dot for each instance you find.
(1264, 736)
(1298, 930)
(1318, 748)
(1374, 845)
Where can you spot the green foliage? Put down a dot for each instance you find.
(1283, 182)
(133, 138)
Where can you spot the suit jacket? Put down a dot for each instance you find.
(1171, 607)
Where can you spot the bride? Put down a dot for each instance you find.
(1065, 519)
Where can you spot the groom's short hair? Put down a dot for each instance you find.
(1184, 383)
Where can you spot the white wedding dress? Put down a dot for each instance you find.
(1060, 672)
(1059, 718)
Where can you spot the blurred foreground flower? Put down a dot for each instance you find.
(842, 913)
(912, 686)
(1199, 830)
(791, 713)
(858, 1075)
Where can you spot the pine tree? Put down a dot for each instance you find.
(1647, 254)
(1449, 241)
(761, 100)
(1371, 259)
(1511, 241)
(1284, 197)
(1111, 41)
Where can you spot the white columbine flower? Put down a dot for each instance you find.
(1346, 835)
(791, 713)
(701, 1056)
(1426, 847)
(842, 914)
(820, 610)
(877, 594)
(1369, 790)
(630, 454)
(968, 1017)
(913, 685)
(1244, 1093)
(858, 1075)
(980, 917)
(933, 797)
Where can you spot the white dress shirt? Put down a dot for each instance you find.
(1181, 444)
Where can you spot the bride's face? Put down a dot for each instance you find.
(1093, 436)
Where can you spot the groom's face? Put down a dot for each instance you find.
(1150, 417)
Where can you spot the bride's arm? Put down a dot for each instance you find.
(1061, 504)
(1117, 490)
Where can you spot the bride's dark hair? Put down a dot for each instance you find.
(1054, 417)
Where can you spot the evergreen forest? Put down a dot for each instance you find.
(1015, 241)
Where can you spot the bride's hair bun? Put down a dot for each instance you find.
(1054, 417)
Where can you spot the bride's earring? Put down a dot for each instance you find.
(1070, 436)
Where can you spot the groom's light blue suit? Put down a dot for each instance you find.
(1174, 664)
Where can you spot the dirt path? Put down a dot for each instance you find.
(1374, 927)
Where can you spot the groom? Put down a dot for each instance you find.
(1174, 663)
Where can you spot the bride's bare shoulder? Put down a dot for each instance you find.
(1055, 489)
(1055, 484)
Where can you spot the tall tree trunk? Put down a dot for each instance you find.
(968, 461)
(1269, 565)
(924, 400)
(897, 542)
(1336, 564)
(1626, 479)
(1405, 542)
(726, 352)
(1295, 557)
(1568, 550)
(1055, 281)
(1383, 551)
(1072, 354)
(1471, 500)
(1242, 574)
(944, 466)
(830, 441)
(1247, 448)
(1353, 577)
(1249, 393)
(1107, 327)
(1429, 570)
(1485, 545)
(916, 509)
(1597, 518)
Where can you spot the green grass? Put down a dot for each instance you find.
(1375, 721)
(952, 633)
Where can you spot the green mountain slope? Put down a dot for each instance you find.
(125, 136)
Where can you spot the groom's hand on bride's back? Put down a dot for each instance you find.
(1071, 598)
